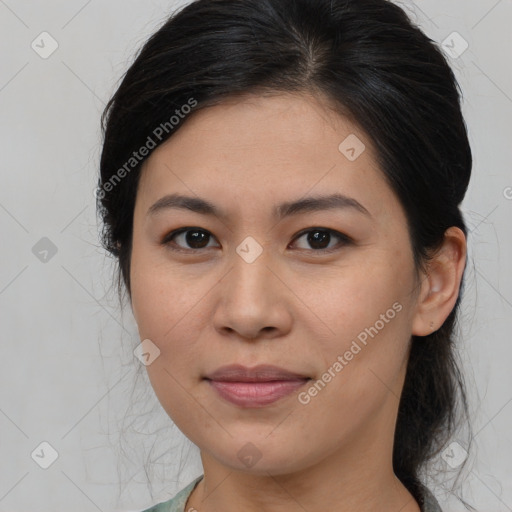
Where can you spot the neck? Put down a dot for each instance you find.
(356, 478)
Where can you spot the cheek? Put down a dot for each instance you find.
(170, 308)
(366, 311)
(167, 314)
(162, 297)
(363, 357)
(349, 298)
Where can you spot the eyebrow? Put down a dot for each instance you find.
(306, 205)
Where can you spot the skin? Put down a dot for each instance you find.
(295, 306)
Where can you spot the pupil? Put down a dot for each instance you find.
(316, 238)
(194, 238)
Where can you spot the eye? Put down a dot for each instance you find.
(320, 238)
(195, 238)
(190, 238)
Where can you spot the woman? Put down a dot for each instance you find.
(280, 183)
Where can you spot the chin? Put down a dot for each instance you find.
(259, 455)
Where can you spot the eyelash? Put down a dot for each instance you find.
(344, 240)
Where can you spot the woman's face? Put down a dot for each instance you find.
(259, 283)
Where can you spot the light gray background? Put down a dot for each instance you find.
(67, 370)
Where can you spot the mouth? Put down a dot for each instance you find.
(254, 387)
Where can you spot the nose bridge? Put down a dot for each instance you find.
(250, 273)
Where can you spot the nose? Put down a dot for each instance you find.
(253, 300)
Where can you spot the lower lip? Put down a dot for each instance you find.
(256, 394)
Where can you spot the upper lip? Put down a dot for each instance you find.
(259, 373)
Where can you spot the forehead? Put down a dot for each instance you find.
(265, 148)
(301, 123)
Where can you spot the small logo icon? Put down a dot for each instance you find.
(352, 147)
(454, 455)
(146, 352)
(44, 250)
(249, 249)
(45, 455)
(507, 193)
(455, 45)
(44, 45)
(249, 454)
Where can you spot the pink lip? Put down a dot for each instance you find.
(254, 387)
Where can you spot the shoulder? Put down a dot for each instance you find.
(176, 504)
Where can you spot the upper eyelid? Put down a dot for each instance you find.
(337, 233)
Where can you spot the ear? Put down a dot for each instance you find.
(440, 284)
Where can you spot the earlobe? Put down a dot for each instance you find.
(441, 284)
